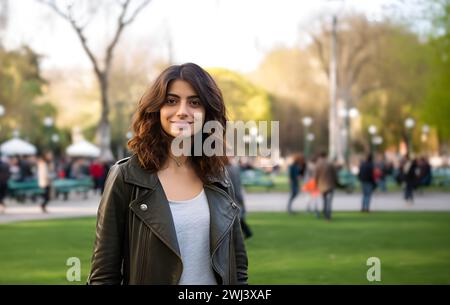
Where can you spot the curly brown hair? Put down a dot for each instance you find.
(151, 143)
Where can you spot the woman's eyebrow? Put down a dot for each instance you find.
(177, 96)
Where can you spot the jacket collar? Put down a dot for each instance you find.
(135, 174)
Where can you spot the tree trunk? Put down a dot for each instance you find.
(104, 128)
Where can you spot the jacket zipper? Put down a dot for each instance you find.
(219, 243)
(228, 229)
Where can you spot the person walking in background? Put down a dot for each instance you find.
(377, 173)
(326, 179)
(425, 174)
(310, 187)
(97, 172)
(296, 171)
(408, 172)
(25, 169)
(45, 175)
(235, 177)
(368, 184)
(4, 176)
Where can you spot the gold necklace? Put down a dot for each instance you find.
(179, 164)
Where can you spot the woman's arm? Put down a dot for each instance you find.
(108, 248)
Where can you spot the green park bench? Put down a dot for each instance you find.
(27, 189)
(347, 180)
(23, 189)
(256, 177)
(65, 186)
(441, 176)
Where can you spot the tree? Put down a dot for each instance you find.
(401, 67)
(298, 88)
(86, 11)
(244, 100)
(21, 89)
(382, 70)
(355, 41)
(436, 106)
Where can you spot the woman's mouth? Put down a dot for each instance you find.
(181, 124)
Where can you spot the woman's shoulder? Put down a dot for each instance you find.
(122, 161)
(131, 172)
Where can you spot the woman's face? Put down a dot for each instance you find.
(181, 109)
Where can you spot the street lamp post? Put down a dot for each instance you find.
(309, 138)
(306, 121)
(424, 137)
(48, 123)
(409, 124)
(377, 140)
(253, 139)
(372, 131)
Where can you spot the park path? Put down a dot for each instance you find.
(77, 206)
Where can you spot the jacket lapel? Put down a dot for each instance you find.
(222, 214)
(152, 206)
(154, 210)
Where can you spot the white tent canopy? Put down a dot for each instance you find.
(17, 146)
(83, 149)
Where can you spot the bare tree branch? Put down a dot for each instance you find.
(136, 11)
(78, 29)
(104, 131)
(353, 55)
(54, 7)
(320, 51)
(121, 24)
(88, 51)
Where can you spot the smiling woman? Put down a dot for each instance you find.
(166, 219)
(178, 96)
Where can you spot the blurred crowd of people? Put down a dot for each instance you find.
(44, 168)
(319, 177)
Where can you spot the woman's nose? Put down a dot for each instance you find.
(182, 109)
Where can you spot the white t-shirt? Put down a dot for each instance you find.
(191, 219)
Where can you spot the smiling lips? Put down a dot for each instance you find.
(181, 124)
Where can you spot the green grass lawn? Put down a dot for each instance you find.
(413, 247)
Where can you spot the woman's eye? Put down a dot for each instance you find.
(171, 101)
(195, 102)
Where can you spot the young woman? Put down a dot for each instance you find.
(167, 219)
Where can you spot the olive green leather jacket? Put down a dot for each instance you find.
(136, 241)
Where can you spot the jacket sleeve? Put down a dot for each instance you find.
(241, 254)
(107, 258)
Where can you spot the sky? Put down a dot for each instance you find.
(235, 34)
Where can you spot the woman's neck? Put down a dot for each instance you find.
(177, 162)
